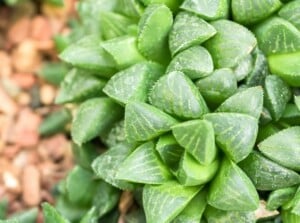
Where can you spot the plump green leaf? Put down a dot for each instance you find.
(192, 173)
(291, 115)
(154, 27)
(90, 216)
(53, 72)
(277, 94)
(144, 122)
(80, 186)
(268, 175)
(289, 217)
(176, 94)
(231, 43)
(55, 122)
(137, 216)
(27, 216)
(252, 11)
(248, 101)
(283, 148)
(114, 25)
(291, 12)
(235, 133)
(79, 86)
(279, 197)
(94, 117)
(144, 166)
(294, 203)
(287, 67)
(192, 213)
(197, 137)
(260, 69)
(209, 10)
(115, 135)
(266, 131)
(169, 150)
(107, 164)
(195, 62)
(214, 215)
(162, 203)
(52, 215)
(244, 67)
(218, 86)
(232, 190)
(88, 54)
(133, 83)
(276, 35)
(130, 8)
(84, 154)
(3, 207)
(123, 50)
(105, 198)
(297, 101)
(172, 4)
(188, 30)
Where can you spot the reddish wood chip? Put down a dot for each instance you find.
(23, 80)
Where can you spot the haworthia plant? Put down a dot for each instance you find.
(197, 104)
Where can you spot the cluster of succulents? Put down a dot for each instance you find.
(197, 103)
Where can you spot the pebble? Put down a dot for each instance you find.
(11, 182)
(31, 193)
(19, 30)
(47, 94)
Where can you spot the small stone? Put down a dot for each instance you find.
(56, 146)
(40, 28)
(23, 80)
(47, 94)
(31, 193)
(24, 99)
(5, 65)
(19, 31)
(7, 105)
(11, 182)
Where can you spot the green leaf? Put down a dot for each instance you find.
(133, 83)
(53, 72)
(130, 8)
(56, 3)
(197, 137)
(268, 175)
(291, 115)
(114, 25)
(214, 215)
(51, 215)
(244, 68)
(78, 86)
(277, 95)
(144, 122)
(84, 154)
(55, 122)
(287, 67)
(94, 117)
(192, 173)
(176, 94)
(232, 190)
(248, 101)
(3, 207)
(283, 148)
(294, 203)
(123, 50)
(27, 216)
(218, 86)
(260, 69)
(266, 131)
(209, 10)
(276, 35)
(192, 213)
(252, 11)
(115, 135)
(137, 216)
(90, 216)
(105, 198)
(235, 133)
(154, 27)
(162, 203)
(144, 166)
(88, 54)
(188, 30)
(291, 12)
(107, 164)
(169, 150)
(297, 101)
(279, 197)
(80, 186)
(172, 4)
(231, 43)
(195, 62)
(289, 217)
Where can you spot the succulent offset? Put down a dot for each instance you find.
(198, 105)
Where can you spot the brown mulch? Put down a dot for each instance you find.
(30, 165)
